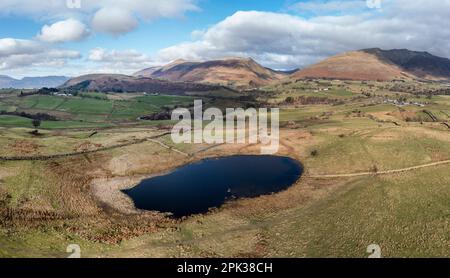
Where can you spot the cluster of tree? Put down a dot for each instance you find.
(42, 91)
(306, 100)
(38, 116)
(441, 91)
(160, 116)
(165, 114)
(24, 94)
(412, 89)
(47, 91)
(402, 99)
(99, 96)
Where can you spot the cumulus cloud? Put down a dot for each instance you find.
(37, 8)
(110, 16)
(286, 41)
(123, 21)
(118, 17)
(277, 40)
(10, 46)
(15, 54)
(312, 30)
(63, 31)
(21, 57)
(126, 61)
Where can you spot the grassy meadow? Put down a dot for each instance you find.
(86, 110)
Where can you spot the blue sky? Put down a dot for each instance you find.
(42, 37)
(166, 32)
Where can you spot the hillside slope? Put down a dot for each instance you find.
(125, 83)
(420, 64)
(356, 65)
(236, 72)
(378, 64)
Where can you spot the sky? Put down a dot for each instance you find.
(75, 37)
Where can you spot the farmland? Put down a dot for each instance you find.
(87, 110)
(352, 127)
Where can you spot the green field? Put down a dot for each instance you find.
(358, 187)
(14, 121)
(86, 110)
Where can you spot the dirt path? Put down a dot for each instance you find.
(168, 147)
(380, 172)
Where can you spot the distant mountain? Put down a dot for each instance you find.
(6, 81)
(125, 83)
(235, 72)
(32, 82)
(377, 64)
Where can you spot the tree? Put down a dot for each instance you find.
(374, 169)
(289, 100)
(36, 123)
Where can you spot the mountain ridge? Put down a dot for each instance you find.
(379, 65)
(234, 72)
(32, 82)
(125, 83)
(420, 63)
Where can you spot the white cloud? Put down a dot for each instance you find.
(127, 61)
(63, 31)
(118, 17)
(10, 46)
(277, 40)
(110, 16)
(15, 54)
(37, 8)
(286, 41)
(21, 57)
(114, 21)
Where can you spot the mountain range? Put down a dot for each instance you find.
(32, 82)
(242, 73)
(367, 64)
